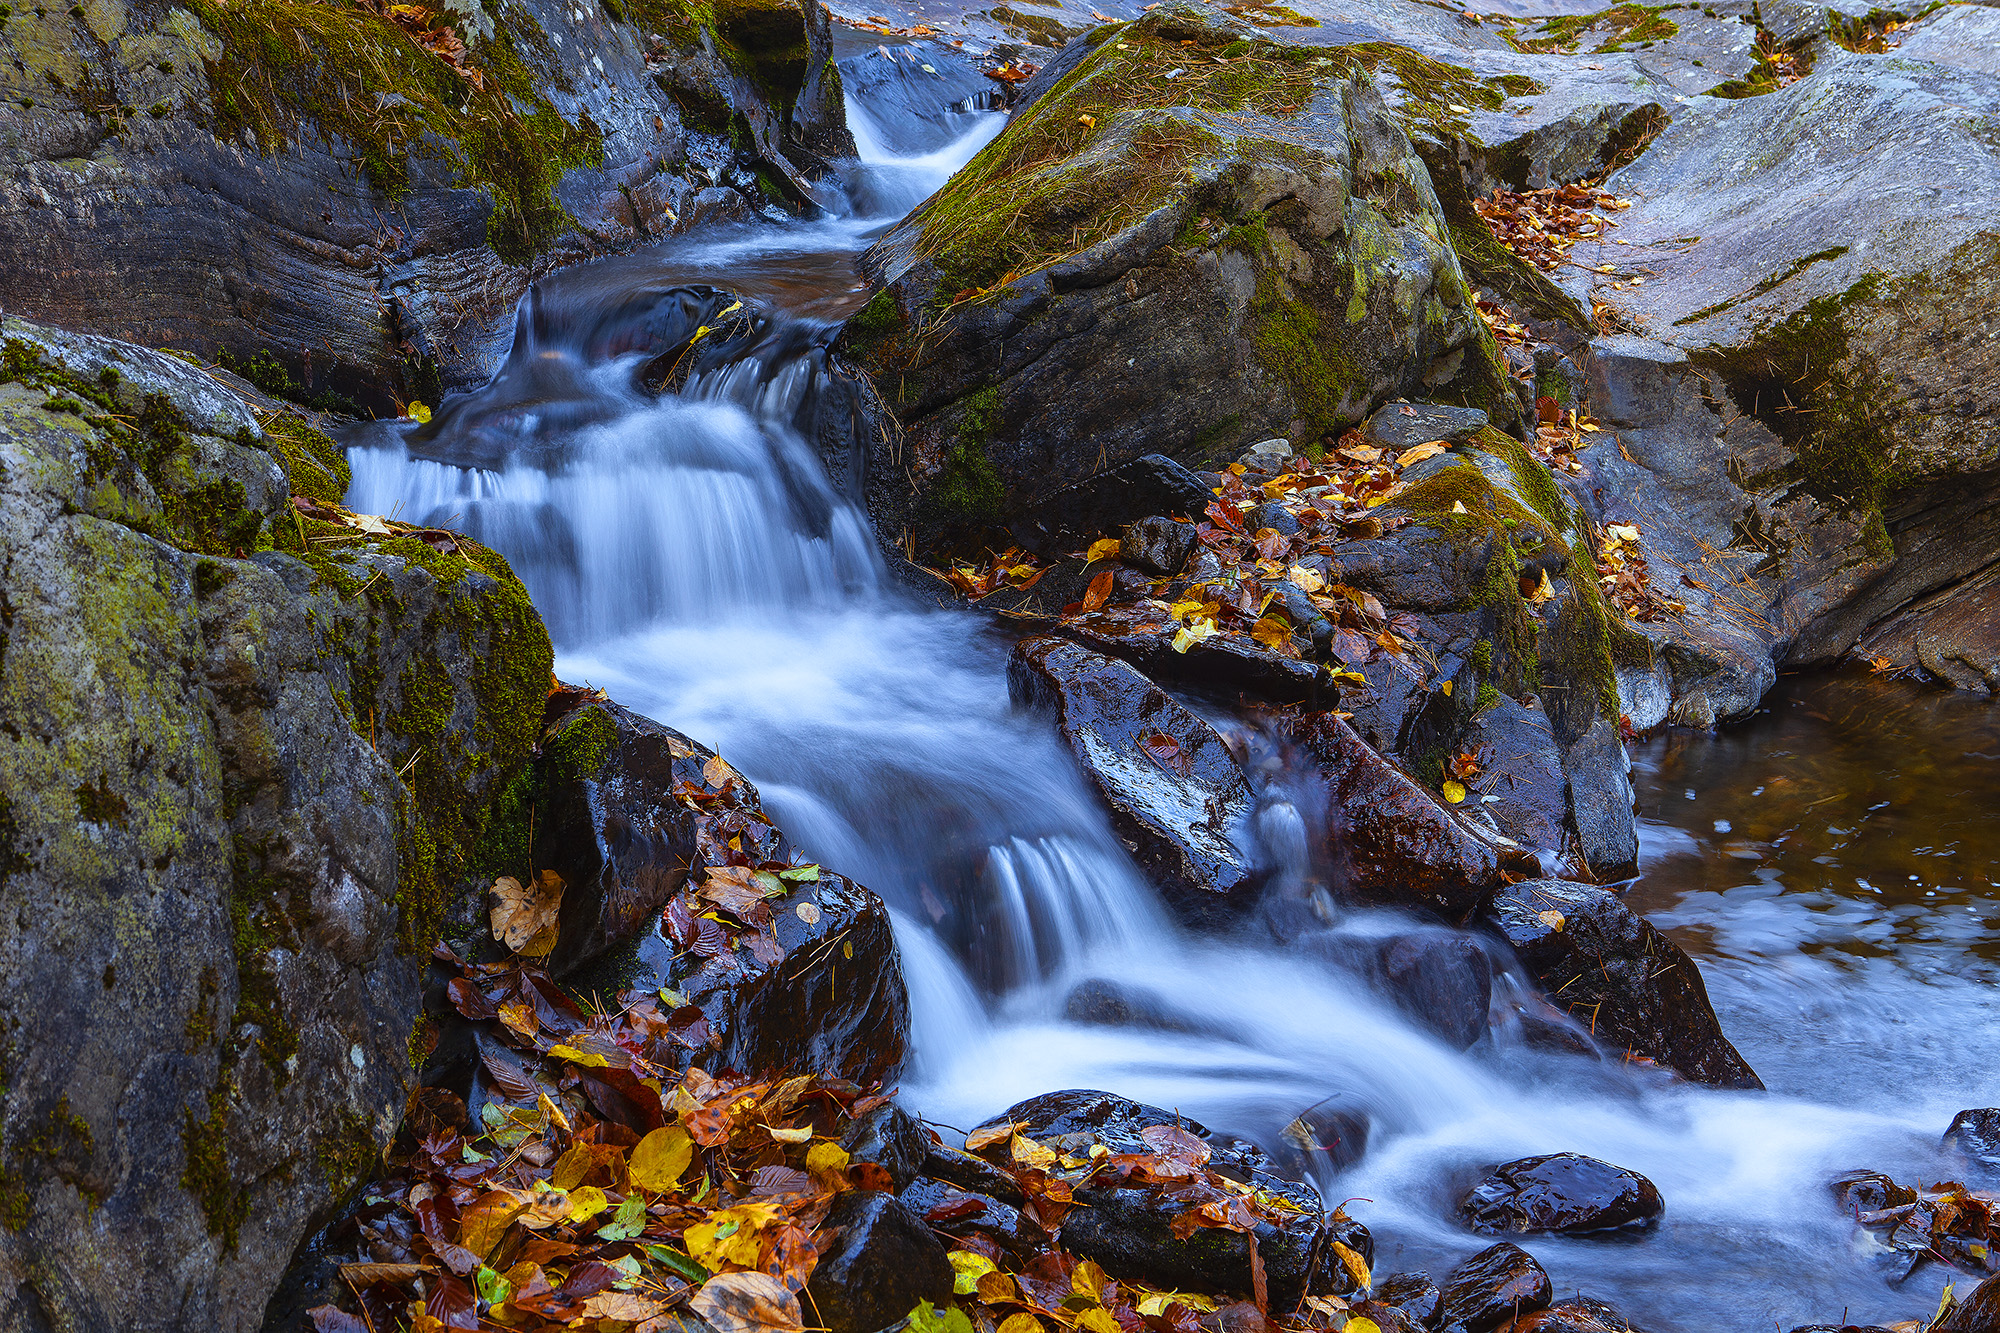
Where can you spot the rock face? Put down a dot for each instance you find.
(1175, 794)
(1282, 280)
(818, 988)
(217, 889)
(1631, 986)
(1130, 1230)
(347, 205)
(1563, 1192)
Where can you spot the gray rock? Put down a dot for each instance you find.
(1106, 501)
(1975, 1136)
(1158, 545)
(1271, 515)
(1401, 426)
(215, 894)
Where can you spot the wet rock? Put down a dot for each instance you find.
(608, 822)
(1561, 1192)
(1976, 1313)
(1869, 1192)
(1395, 844)
(1158, 545)
(1413, 1293)
(971, 1174)
(1443, 980)
(1401, 426)
(1271, 515)
(1233, 664)
(1499, 1283)
(1975, 1137)
(958, 1212)
(1097, 352)
(1332, 1133)
(1581, 1315)
(1532, 796)
(1632, 987)
(1113, 1004)
(880, 1262)
(1128, 1230)
(1175, 794)
(1388, 1318)
(1069, 518)
(893, 1139)
(1268, 456)
(211, 871)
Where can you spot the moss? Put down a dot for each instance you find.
(1488, 697)
(879, 319)
(1630, 25)
(314, 465)
(578, 748)
(264, 369)
(1505, 527)
(100, 805)
(207, 1177)
(1482, 656)
(1034, 27)
(1534, 481)
(968, 487)
(358, 78)
(1796, 267)
(260, 922)
(348, 1156)
(200, 1030)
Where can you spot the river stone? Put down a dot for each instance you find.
(1584, 1314)
(877, 1261)
(1978, 1312)
(1396, 845)
(609, 823)
(1631, 986)
(215, 903)
(957, 1212)
(1413, 1293)
(1442, 979)
(1104, 1003)
(1086, 354)
(1129, 1230)
(1401, 426)
(1175, 793)
(1975, 1136)
(1499, 1283)
(1562, 1192)
(253, 203)
(891, 1138)
(1158, 545)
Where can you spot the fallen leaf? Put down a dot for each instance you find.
(627, 1222)
(980, 1139)
(1304, 579)
(586, 1202)
(1552, 919)
(1100, 591)
(1543, 591)
(1454, 791)
(800, 1134)
(1027, 1152)
(967, 1269)
(625, 1305)
(748, 1303)
(1356, 1266)
(1103, 549)
(418, 412)
(1417, 455)
(526, 912)
(371, 525)
(1020, 1323)
(1272, 632)
(718, 774)
(661, 1159)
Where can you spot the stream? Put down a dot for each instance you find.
(1831, 863)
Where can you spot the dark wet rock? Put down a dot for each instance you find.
(1633, 988)
(1499, 1283)
(1175, 794)
(1271, 515)
(1975, 1136)
(608, 822)
(1401, 426)
(877, 1260)
(1114, 1004)
(1388, 1318)
(1069, 518)
(958, 1212)
(1099, 352)
(971, 1174)
(1562, 1192)
(1443, 980)
(1844, 1328)
(218, 890)
(1332, 1133)
(1530, 791)
(1158, 545)
(1413, 1293)
(1128, 1230)
(1869, 1192)
(1580, 1315)
(1978, 1312)
(893, 1139)
(1233, 664)
(280, 220)
(1395, 844)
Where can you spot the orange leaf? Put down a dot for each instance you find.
(1100, 591)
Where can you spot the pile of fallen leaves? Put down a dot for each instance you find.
(1945, 1223)
(1541, 226)
(367, 525)
(434, 32)
(1623, 574)
(1011, 568)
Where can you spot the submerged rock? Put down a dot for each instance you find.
(248, 757)
(1175, 794)
(1631, 986)
(1494, 1286)
(1563, 1192)
(877, 1260)
(1975, 1137)
(1443, 980)
(1332, 1133)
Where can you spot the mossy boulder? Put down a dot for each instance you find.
(245, 756)
(1196, 238)
(345, 203)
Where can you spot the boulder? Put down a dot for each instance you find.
(1136, 266)
(1401, 426)
(1442, 979)
(1631, 986)
(1158, 545)
(877, 1260)
(1129, 1230)
(1069, 518)
(1176, 796)
(956, 1212)
(345, 203)
(1563, 1192)
(1114, 1004)
(1583, 1314)
(1414, 1294)
(1978, 1312)
(609, 819)
(891, 1138)
(1394, 843)
(1500, 1283)
(248, 756)
(1974, 1136)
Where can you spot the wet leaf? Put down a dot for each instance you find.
(625, 1305)
(1176, 1144)
(1272, 632)
(1097, 1319)
(732, 1236)
(1027, 1152)
(627, 1222)
(1100, 591)
(748, 1303)
(661, 1159)
(1430, 449)
(1103, 549)
(523, 913)
(718, 774)
(416, 411)
(968, 1268)
(1305, 579)
(586, 1203)
(800, 1134)
(1356, 1266)
(951, 1319)
(805, 874)
(1454, 790)
(1553, 919)
(1020, 1323)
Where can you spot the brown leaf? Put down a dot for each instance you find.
(980, 1139)
(1100, 591)
(748, 1303)
(521, 914)
(1176, 1144)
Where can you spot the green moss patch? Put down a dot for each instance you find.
(1624, 27)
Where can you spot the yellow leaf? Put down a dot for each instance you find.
(482, 1223)
(572, 1167)
(1156, 1303)
(731, 1236)
(1020, 1323)
(997, 1287)
(551, 1113)
(1363, 1324)
(661, 1159)
(826, 1156)
(717, 773)
(802, 1134)
(1544, 591)
(1097, 1319)
(588, 1059)
(1030, 1153)
(1622, 532)
(1552, 919)
(1458, 507)
(418, 412)
(1088, 1281)
(1356, 1266)
(1454, 791)
(969, 1268)
(1103, 549)
(1194, 632)
(1089, 122)
(1445, 688)
(586, 1203)
(1304, 579)
(1271, 632)
(992, 1134)
(621, 1305)
(1417, 455)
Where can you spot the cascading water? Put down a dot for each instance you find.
(691, 557)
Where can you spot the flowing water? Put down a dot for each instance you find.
(691, 557)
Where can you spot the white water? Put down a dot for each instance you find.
(691, 558)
